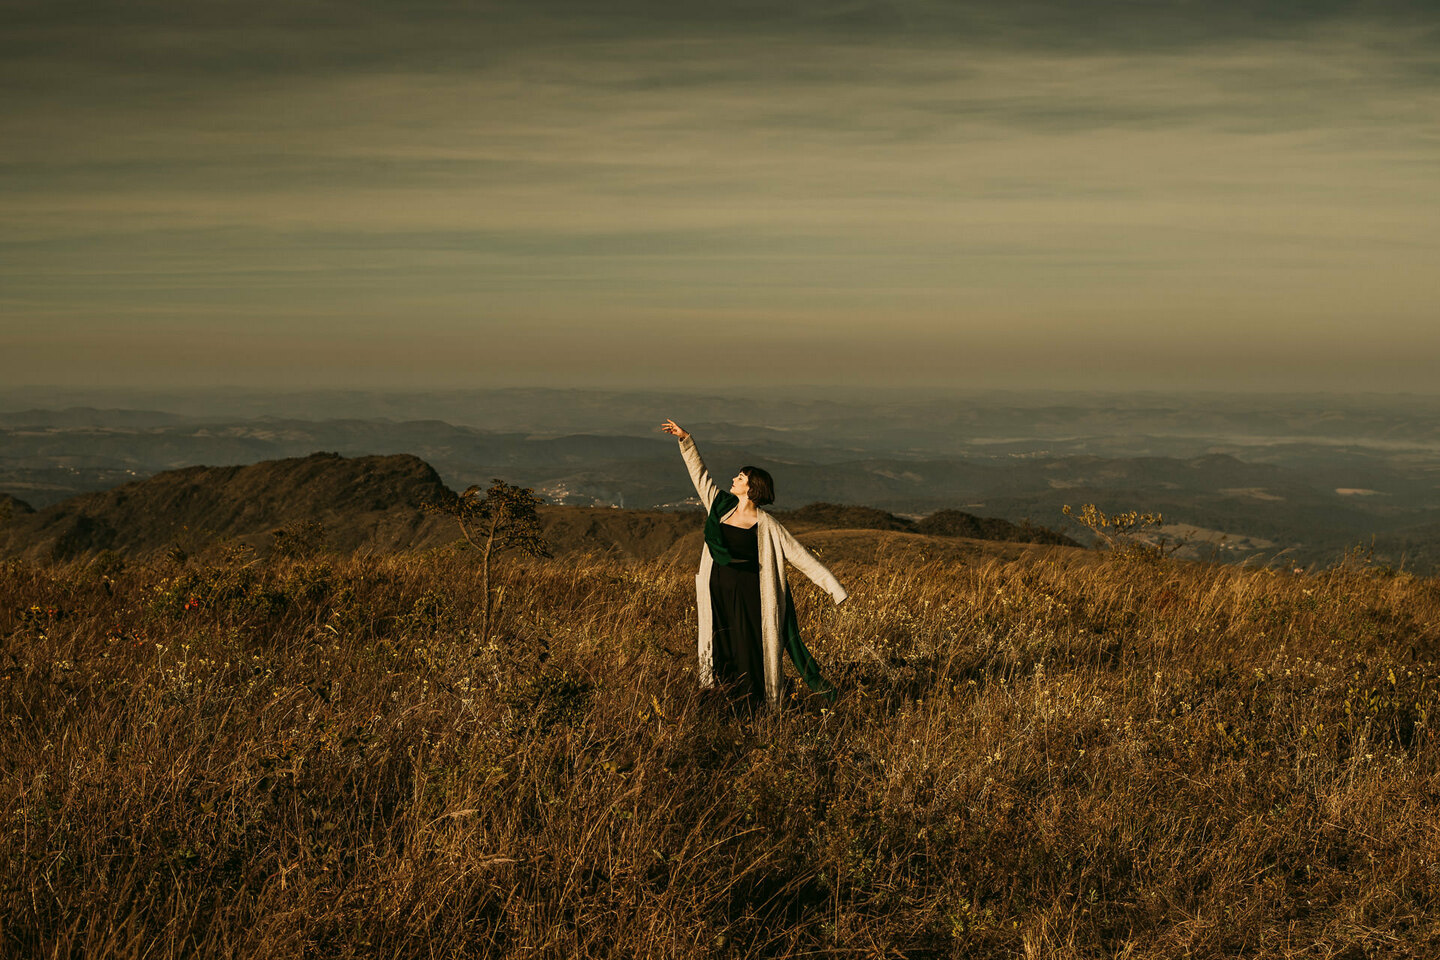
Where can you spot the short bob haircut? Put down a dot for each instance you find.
(762, 485)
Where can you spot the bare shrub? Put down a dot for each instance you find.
(502, 518)
(298, 540)
(1132, 535)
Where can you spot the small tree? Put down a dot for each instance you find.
(1132, 535)
(500, 518)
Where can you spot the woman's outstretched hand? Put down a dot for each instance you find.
(674, 429)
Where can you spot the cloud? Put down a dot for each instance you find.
(608, 170)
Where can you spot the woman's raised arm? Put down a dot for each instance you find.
(699, 476)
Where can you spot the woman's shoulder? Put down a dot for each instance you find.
(769, 523)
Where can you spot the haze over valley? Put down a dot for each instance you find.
(1273, 478)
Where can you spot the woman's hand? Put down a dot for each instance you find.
(674, 429)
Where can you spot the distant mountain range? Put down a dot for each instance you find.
(1246, 478)
(379, 503)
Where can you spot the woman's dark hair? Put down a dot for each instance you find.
(762, 485)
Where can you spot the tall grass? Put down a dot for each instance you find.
(1040, 757)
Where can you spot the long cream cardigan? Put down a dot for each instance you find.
(777, 545)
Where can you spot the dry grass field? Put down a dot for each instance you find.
(1040, 753)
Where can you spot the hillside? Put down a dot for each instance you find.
(372, 502)
(11, 507)
(377, 504)
(1054, 755)
(941, 523)
(831, 529)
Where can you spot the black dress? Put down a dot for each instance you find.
(735, 617)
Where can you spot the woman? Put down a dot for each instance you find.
(746, 615)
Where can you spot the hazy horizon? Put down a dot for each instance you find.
(1311, 474)
(17, 396)
(1238, 196)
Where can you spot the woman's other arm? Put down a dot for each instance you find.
(806, 563)
(698, 474)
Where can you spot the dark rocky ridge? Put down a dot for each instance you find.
(941, 523)
(377, 503)
(373, 502)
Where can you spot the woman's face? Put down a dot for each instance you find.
(740, 486)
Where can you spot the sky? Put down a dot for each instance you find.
(1090, 194)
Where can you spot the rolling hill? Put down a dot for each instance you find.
(378, 503)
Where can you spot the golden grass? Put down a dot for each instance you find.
(1045, 756)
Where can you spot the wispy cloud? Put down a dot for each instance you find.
(902, 176)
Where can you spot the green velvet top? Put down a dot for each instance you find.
(724, 503)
